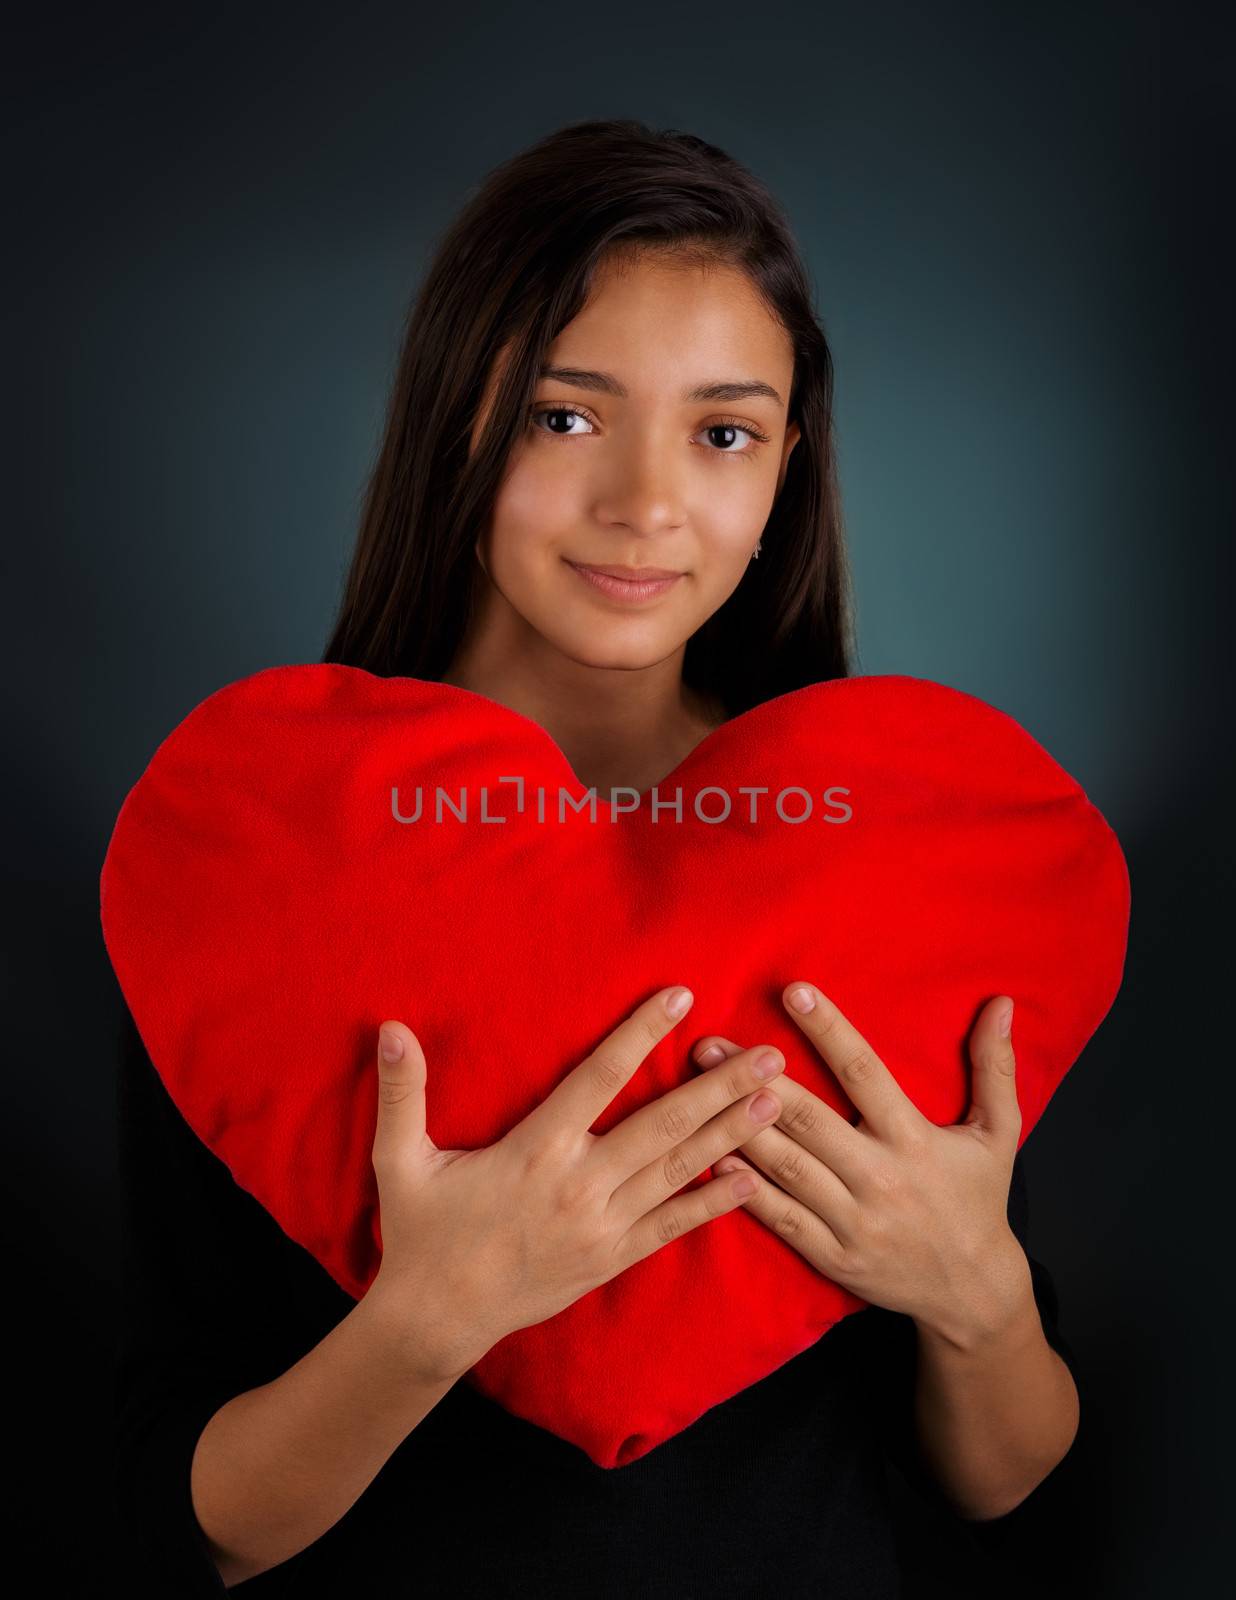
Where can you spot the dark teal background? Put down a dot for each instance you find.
(1013, 218)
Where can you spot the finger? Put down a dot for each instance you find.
(875, 1093)
(657, 1129)
(687, 1158)
(798, 1173)
(812, 1124)
(576, 1103)
(713, 1049)
(800, 1227)
(679, 1215)
(994, 1109)
(399, 1131)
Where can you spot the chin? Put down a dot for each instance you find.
(613, 650)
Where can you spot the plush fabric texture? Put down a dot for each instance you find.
(265, 908)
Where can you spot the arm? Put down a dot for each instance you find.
(235, 1448)
(995, 1408)
(995, 1405)
(278, 1465)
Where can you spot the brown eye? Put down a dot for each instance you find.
(731, 433)
(728, 429)
(559, 413)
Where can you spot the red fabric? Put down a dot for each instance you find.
(264, 911)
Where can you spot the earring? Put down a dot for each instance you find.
(755, 554)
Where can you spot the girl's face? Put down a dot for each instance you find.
(657, 439)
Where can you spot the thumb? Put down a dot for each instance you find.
(400, 1129)
(993, 1080)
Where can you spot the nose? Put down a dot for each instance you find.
(643, 492)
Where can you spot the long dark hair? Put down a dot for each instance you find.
(515, 266)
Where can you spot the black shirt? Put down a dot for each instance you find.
(216, 1299)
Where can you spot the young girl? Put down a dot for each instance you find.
(606, 498)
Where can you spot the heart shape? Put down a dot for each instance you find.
(265, 908)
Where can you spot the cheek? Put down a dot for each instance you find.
(534, 508)
(742, 496)
(733, 510)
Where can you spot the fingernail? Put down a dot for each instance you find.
(391, 1044)
(1006, 1020)
(713, 1053)
(765, 1065)
(802, 1000)
(677, 1001)
(726, 1165)
(763, 1107)
(744, 1187)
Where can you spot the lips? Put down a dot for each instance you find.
(628, 583)
(632, 574)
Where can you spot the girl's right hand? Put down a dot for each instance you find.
(478, 1243)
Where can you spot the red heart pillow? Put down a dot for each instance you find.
(267, 900)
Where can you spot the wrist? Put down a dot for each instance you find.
(427, 1346)
(994, 1305)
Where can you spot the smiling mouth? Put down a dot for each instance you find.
(627, 583)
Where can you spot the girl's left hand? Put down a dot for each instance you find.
(903, 1213)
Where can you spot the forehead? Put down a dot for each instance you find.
(657, 319)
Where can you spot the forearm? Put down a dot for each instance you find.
(996, 1408)
(278, 1465)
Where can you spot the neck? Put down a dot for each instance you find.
(617, 727)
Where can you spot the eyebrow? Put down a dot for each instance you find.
(606, 383)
